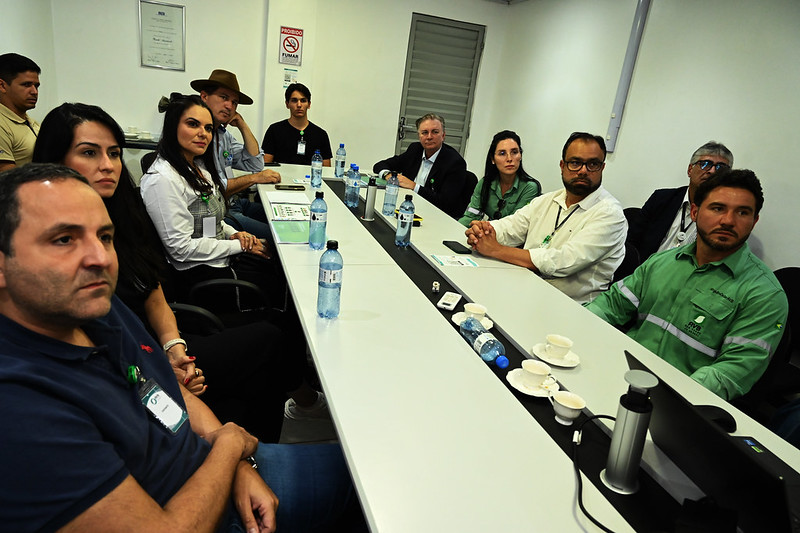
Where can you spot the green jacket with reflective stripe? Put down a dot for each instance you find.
(718, 323)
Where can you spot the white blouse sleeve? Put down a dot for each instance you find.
(166, 197)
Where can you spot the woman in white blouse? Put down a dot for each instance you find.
(182, 192)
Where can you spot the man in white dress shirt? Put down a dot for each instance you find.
(573, 237)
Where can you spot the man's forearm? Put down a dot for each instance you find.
(515, 256)
(248, 139)
(239, 184)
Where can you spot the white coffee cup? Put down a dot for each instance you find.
(476, 311)
(567, 406)
(557, 346)
(534, 373)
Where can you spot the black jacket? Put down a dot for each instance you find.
(447, 184)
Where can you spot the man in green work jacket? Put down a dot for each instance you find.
(710, 308)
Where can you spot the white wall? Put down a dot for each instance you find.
(725, 70)
(19, 37)
(718, 69)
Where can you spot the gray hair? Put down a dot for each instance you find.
(712, 148)
(430, 116)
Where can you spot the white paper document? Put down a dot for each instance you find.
(454, 260)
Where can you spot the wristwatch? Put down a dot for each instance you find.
(252, 462)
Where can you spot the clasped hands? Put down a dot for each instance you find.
(482, 237)
(251, 244)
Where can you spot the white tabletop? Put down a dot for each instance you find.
(526, 308)
(434, 441)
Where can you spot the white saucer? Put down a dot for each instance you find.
(458, 318)
(514, 377)
(569, 361)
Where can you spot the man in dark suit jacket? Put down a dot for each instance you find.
(664, 221)
(434, 170)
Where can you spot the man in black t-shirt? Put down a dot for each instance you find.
(295, 139)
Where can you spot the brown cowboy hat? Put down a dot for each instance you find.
(222, 78)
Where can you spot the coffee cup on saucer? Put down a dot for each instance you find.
(567, 406)
(534, 373)
(476, 311)
(557, 346)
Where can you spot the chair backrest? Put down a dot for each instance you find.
(789, 279)
(147, 160)
(469, 187)
(629, 263)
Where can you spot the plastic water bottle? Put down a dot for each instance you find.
(484, 343)
(405, 219)
(338, 167)
(352, 186)
(317, 222)
(330, 281)
(316, 170)
(390, 195)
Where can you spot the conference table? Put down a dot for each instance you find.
(433, 439)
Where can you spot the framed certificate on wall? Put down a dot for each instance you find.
(162, 35)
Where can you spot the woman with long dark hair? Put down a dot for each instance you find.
(182, 192)
(247, 365)
(505, 186)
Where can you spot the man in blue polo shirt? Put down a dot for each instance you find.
(98, 434)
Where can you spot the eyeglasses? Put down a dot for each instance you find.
(705, 164)
(593, 165)
(500, 205)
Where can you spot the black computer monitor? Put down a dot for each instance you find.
(737, 472)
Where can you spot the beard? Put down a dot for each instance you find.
(580, 186)
(732, 244)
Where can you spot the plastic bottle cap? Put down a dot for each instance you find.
(320, 194)
(334, 245)
(501, 361)
(408, 197)
(341, 145)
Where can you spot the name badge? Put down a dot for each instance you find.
(210, 227)
(228, 173)
(161, 406)
(301, 147)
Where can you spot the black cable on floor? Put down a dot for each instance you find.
(576, 440)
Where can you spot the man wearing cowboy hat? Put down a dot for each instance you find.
(221, 94)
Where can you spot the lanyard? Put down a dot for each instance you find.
(683, 220)
(558, 225)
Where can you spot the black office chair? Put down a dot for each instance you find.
(466, 192)
(780, 382)
(147, 160)
(629, 263)
(788, 382)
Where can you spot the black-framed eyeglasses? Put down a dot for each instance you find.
(500, 205)
(705, 164)
(593, 165)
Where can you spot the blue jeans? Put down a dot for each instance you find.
(248, 216)
(313, 485)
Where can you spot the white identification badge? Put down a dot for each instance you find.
(210, 227)
(301, 147)
(229, 173)
(161, 406)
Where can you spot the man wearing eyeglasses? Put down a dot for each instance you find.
(664, 221)
(573, 237)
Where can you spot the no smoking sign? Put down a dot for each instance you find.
(291, 47)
